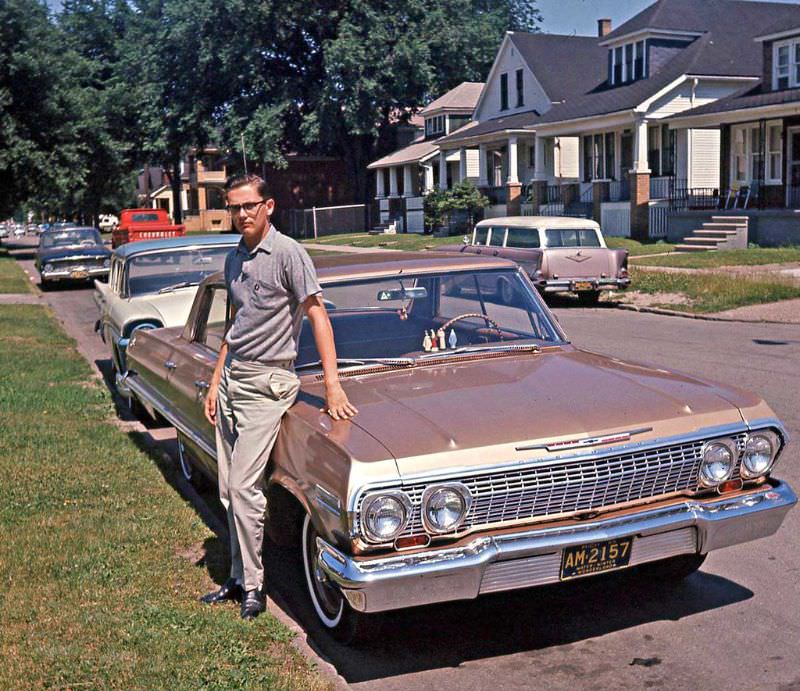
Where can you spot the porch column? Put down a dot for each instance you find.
(462, 164)
(379, 191)
(540, 167)
(428, 177)
(639, 180)
(442, 170)
(483, 177)
(513, 188)
(408, 183)
(393, 181)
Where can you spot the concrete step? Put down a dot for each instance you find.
(701, 240)
(718, 225)
(711, 232)
(738, 220)
(693, 248)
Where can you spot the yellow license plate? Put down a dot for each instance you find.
(79, 274)
(583, 285)
(596, 557)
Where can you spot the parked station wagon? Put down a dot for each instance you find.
(488, 454)
(559, 253)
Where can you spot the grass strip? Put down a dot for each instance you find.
(754, 256)
(12, 277)
(636, 248)
(712, 292)
(102, 561)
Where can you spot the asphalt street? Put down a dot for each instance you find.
(733, 625)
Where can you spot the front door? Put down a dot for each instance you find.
(793, 168)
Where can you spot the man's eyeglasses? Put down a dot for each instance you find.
(249, 207)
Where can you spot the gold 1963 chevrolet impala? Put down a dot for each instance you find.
(488, 454)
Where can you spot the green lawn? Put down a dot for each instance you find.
(635, 247)
(401, 241)
(101, 560)
(712, 292)
(749, 257)
(12, 277)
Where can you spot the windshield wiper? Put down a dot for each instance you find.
(182, 284)
(355, 362)
(508, 347)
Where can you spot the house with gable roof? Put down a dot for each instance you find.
(759, 131)
(581, 125)
(405, 175)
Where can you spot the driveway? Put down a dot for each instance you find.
(734, 625)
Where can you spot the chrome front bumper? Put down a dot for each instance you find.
(566, 284)
(521, 560)
(91, 273)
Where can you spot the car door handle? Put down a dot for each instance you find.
(169, 364)
(201, 384)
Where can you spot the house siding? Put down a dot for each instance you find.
(680, 98)
(509, 61)
(567, 159)
(766, 60)
(704, 168)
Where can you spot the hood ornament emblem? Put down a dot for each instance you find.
(583, 442)
(577, 257)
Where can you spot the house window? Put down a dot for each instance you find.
(629, 63)
(609, 172)
(749, 154)
(667, 150)
(598, 157)
(520, 95)
(504, 91)
(618, 65)
(434, 125)
(786, 64)
(638, 66)
(654, 150)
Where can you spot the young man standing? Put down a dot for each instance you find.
(271, 283)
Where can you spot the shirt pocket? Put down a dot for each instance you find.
(263, 293)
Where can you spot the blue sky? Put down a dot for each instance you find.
(580, 16)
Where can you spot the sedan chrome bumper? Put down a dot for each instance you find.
(67, 273)
(568, 284)
(521, 560)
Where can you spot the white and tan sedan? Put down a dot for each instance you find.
(151, 285)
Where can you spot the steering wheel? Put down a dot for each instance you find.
(476, 315)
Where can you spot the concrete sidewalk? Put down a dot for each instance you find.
(345, 248)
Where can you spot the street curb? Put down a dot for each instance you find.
(702, 317)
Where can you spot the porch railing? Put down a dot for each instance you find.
(695, 198)
(793, 197)
(619, 191)
(666, 187)
(553, 194)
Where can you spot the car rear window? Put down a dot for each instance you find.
(522, 237)
(496, 239)
(564, 237)
(145, 217)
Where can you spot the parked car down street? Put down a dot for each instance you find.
(152, 284)
(71, 254)
(559, 253)
(489, 454)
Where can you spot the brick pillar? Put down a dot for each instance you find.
(538, 194)
(513, 199)
(640, 208)
(600, 193)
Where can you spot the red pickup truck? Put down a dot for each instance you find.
(144, 224)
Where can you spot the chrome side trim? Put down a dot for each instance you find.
(159, 403)
(457, 573)
(327, 500)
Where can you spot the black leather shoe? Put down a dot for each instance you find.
(253, 603)
(230, 590)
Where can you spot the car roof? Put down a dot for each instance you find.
(59, 231)
(208, 240)
(540, 221)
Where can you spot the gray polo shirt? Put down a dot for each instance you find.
(268, 287)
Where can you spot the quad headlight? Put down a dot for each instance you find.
(384, 515)
(760, 451)
(48, 268)
(444, 507)
(719, 458)
(106, 263)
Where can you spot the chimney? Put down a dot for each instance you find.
(603, 27)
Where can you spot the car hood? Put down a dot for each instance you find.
(484, 410)
(57, 252)
(171, 309)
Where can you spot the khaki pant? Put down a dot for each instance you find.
(251, 401)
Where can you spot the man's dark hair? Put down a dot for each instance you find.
(243, 179)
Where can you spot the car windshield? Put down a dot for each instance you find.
(389, 317)
(564, 237)
(163, 271)
(71, 238)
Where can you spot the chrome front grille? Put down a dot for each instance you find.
(572, 486)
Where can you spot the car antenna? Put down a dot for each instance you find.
(244, 154)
